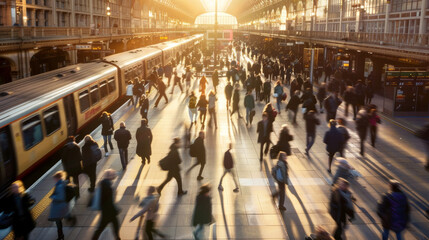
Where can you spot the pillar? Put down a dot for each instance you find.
(54, 14)
(422, 27)
(360, 65)
(386, 19)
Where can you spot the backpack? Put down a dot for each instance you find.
(227, 160)
(71, 191)
(192, 102)
(95, 153)
(164, 163)
(277, 174)
(193, 150)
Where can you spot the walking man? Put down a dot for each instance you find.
(200, 154)
(228, 94)
(280, 174)
(265, 127)
(331, 105)
(72, 160)
(249, 104)
(228, 164)
(341, 206)
(144, 140)
(362, 125)
(161, 92)
(311, 121)
(333, 140)
(123, 137)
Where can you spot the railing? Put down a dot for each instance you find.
(25, 33)
(393, 39)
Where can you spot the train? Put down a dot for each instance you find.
(38, 113)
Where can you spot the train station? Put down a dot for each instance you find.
(214, 119)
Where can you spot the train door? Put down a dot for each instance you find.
(7, 158)
(71, 119)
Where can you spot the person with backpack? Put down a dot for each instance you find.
(59, 206)
(202, 211)
(109, 210)
(374, 119)
(144, 140)
(341, 206)
(249, 104)
(192, 106)
(394, 211)
(18, 203)
(202, 108)
(278, 94)
(423, 134)
(150, 205)
(171, 164)
(199, 151)
(236, 101)
(264, 129)
(91, 154)
(228, 94)
(107, 128)
(333, 140)
(123, 137)
(311, 121)
(346, 136)
(212, 108)
(293, 105)
(228, 164)
(72, 160)
(362, 124)
(281, 175)
(161, 92)
(144, 106)
(331, 104)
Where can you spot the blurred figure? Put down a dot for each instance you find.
(59, 206)
(311, 121)
(321, 95)
(320, 234)
(144, 106)
(343, 170)
(228, 164)
(192, 106)
(202, 212)
(333, 140)
(129, 93)
(235, 101)
(249, 104)
(267, 90)
(293, 105)
(346, 136)
(123, 137)
(281, 175)
(362, 124)
(89, 159)
(107, 128)
(228, 94)
(144, 140)
(369, 93)
(394, 211)
(374, 119)
(215, 80)
(202, 108)
(278, 94)
(161, 91)
(341, 206)
(284, 139)
(203, 84)
(331, 104)
(265, 127)
(200, 154)
(176, 81)
(109, 210)
(424, 135)
(71, 159)
(350, 99)
(212, 109)
(17, 202)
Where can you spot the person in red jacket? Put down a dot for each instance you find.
(228, 164)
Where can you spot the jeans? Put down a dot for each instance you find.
(198, 231)
(212, 115)
(232, 174)
(248, 110)
(281, 193)
(123, 153)
(279, 102)
(373, 132)
(193, 114)
(385, 234)
(107, 138)
(103, 224)
(338, 234)
(267, 146)
(311, 137)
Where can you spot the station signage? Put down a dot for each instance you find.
(285, 44)
(406, 78)
(83, 47)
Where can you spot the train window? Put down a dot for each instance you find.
(52, 120)
(94, 95)
(103, 89)
(111, 84)
(84, 101)
(32, 131)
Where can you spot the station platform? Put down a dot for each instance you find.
(251, 213)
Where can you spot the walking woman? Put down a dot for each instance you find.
(107, 130)
(192, 105)
(203, 84)
(202, 107)
(202, 212)
(278, 94)
(18, 202)
(212, 108)
(60, 207)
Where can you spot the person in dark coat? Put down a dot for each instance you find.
(202, 212)
(71, 159)
(311, 121)
(360, 93)
(144, 106)
(215, 80)
(282, 180)
(321, 95)
(341, 206)
(293, 105)
(168, 72)
(161, 91)
(267, 90)
(89, 160)
(346, 136)
(394, 211)
(258, 85)
(107, 128)
(362, 125)
(284, 139)
(333, 140)
(236, 101)
(350, 99)
(228, 165)
(59, 206)
(202, 108)
(331, 104)
(18, 202)
(109, 210)
(423, 134)
(122, 137)
(249, 104)
(228, 93)
(308, 101)
(369, 93)
(200, 155)
(173, 168)
(264, 129)
(144, 140)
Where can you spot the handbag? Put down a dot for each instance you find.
(6, 220)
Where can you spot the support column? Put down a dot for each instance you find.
(91, 13)
(422, 27)
(360, 65)
(327, 15)
(386, 19)
(73, 14)
(54, 14)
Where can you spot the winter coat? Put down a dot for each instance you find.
(341, 206)
(293, 103)
(203, 210)
(71, 158)
(106, 125)
(249, 101)
(59, 206)
(321, 94)
(174, 159)
(200, 154)
(108, 207)
(144, 141)
(333, 140)
(88, 156)
(310, 123)
(228, 91)
(122, 136)
(22, 220)
(394, 211)
(264, 136)
(236, 98)
(331, 104)
(144, 107)
(228, 162)
(362, 124)
(283, 143)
